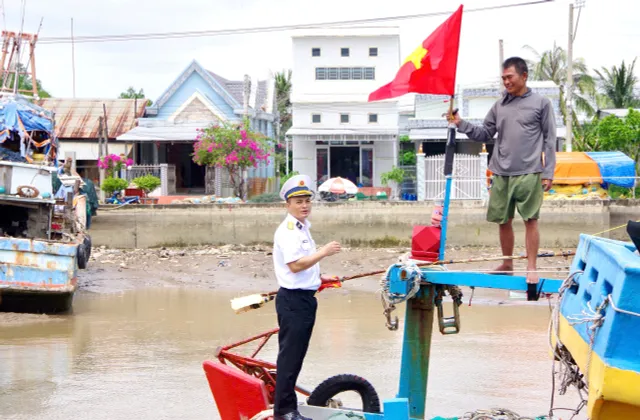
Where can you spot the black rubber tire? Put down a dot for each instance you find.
(334, 385)
(87, 244)
(82, 256)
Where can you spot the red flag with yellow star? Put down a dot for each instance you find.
(431, 68)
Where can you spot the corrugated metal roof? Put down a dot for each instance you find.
(79, 118)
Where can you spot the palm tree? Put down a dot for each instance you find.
(283, 100)
(283, 106)
(618, 84)
(552, 65)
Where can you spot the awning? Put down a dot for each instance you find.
(163, 134)
(343, 132)
(88, 150)
(153, 129)
(432, 134)
(441, 134)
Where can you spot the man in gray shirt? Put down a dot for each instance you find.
(523, 160)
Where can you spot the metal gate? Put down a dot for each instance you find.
(469, 177)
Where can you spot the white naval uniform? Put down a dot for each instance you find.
(291, 242)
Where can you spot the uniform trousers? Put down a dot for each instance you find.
(296, 310)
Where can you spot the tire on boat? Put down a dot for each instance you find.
(87, 244)
(82, 256)
(329, 388)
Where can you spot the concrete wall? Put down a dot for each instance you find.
(360, 223)
(383, 159)
(304, 159)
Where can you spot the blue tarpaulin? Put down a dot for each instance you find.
(33, 117)
(615, 168)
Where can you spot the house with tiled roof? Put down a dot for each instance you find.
(196, 99)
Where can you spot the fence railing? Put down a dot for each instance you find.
(142, 170)
(219, 183)
(166, 173)
(469, 177)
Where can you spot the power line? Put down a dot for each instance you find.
(262, 29)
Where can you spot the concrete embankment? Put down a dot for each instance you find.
(354, 224)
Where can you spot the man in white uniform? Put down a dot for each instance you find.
(295, 260)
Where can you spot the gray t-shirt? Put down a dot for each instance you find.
(526, 128)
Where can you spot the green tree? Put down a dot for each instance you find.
(586, 136)
(283, 107)
(618, 85)
(233, 147)
(283, 100)
(131, 93)
(621, 134)
(552, 65)
(25, 82)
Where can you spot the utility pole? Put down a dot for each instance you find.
(106, 130)
(572, 37)
(569, 105)
(246, 94)
(73, 60)
(101, 155)
(501, 58)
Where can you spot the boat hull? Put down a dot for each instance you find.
(607, 282)
(37, 275)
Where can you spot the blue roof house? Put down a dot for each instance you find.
(196, 99)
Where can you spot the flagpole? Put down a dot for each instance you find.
(448, 174)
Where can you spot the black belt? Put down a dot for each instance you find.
(299, 291)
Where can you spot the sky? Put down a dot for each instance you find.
(606, 35)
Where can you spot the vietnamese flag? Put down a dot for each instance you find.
(431, 68)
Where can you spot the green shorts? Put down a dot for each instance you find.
(524, 192)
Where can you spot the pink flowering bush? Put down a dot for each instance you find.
(232, 147)
(114, 163)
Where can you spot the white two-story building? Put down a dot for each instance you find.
(335, 131)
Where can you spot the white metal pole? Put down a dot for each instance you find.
(569, 99)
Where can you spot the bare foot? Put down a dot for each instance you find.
(532, 276)
(504, 269)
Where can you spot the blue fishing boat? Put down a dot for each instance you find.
(43, 240)
(596, 328)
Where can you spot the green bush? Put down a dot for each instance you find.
(617, 193)
(266, 198)
(408, 158)
(147, 183)
(111, 185)
(287, 177)
(396, 174)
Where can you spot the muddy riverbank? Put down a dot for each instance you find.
(250, 268)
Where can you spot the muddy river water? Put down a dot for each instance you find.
(138, 355)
